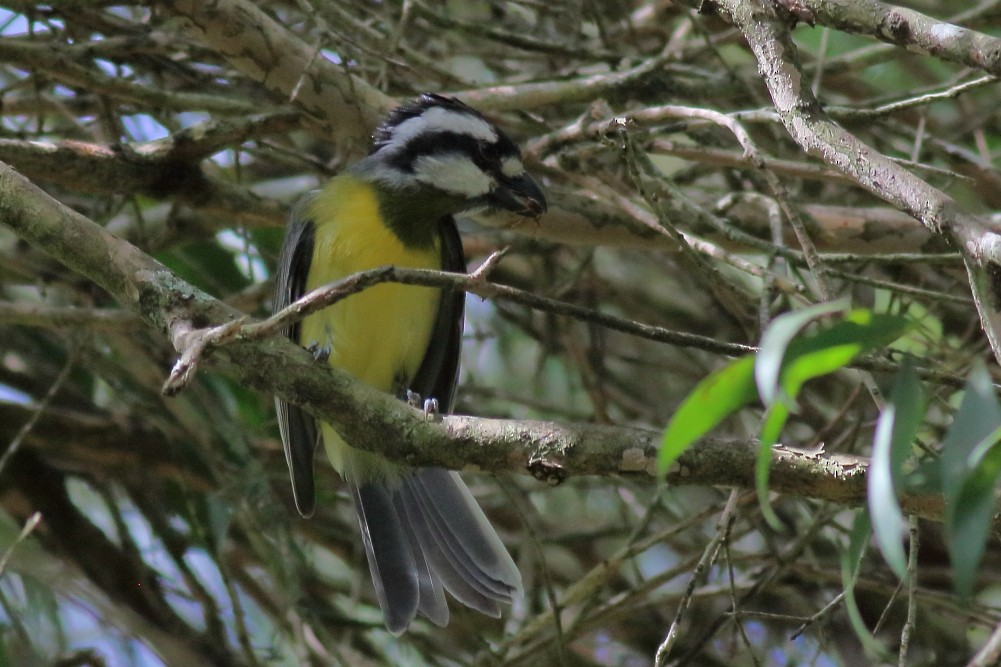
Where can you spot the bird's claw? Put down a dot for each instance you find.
(413, 399)
(428, 405)
(320, 354)
(430, 408)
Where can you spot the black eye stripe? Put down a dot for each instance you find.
(486, 156)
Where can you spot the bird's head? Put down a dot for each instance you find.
(435, 156)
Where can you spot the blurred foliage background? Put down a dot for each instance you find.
(167, 533)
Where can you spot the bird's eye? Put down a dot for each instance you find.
(489, 152)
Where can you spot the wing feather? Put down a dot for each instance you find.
(438, 373)
(298, 428)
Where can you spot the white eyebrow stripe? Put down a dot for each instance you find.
(438, 119)
(512, 166)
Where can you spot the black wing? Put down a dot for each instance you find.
(298, 428)
(439, 370)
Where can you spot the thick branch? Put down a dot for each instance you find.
(372, 419)
(816, 133)
(165, 168)
(909, 29)
(345, 107)
(54, 61)
(160, 169)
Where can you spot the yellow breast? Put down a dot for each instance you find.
(383, 332)
(379, 335)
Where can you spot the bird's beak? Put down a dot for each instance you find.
(521, 195)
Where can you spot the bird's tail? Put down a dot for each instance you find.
(424, 533)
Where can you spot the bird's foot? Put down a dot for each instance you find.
(413, 399)
(431, 410)
(320, 354)
(428, 405)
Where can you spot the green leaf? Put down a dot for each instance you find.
(851, 564)
(971, 467)
(785, 363)
(768, 369)
(778, 371)
(776, 340)
(895, 432)
(771, 428)
(978, 416)
(717, 396)
(219, 515)
(926, 333)
(207, 266)
(925, 478)
(968, 523)
(835, 346)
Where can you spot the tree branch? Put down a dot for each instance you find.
(805, 120)
(908, 29)
(345, 107)
(374, 420)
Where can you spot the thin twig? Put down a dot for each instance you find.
(708, 557)
(824, 611)
(194, 343)
(29, 526)
(517, 500)
(36, 414)
(734, 603)
(849, 113)
(912, 589)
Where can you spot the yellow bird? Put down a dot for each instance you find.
(431, 159)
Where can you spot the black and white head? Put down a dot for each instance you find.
(436, 150)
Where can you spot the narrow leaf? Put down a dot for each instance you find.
(969, 521)
(837, 345)
(776, 340)
(978, 416)
(895, 432)
(971, 467)
(771, 427)
(851, 564)
(717, 396)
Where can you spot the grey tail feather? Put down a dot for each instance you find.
(390, 558)
(459, 543)
(432, 604)
(425, 533)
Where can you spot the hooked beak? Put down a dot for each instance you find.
(521, 195)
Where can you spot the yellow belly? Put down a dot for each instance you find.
(379, 335)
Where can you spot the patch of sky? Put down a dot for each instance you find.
(13, 24)
(84, 629)
(291, 188)
(225, 159)
(143, 127)
(94, 506)
(188, 119)
(132, 13)
(497, 355)
(28, 606)
(656, 561)
(248, 258)
(104, 395)
(207, 571)
(10, 395)
(114, 70)
(156, 555)
(59, 90)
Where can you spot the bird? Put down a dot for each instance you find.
(431, 158)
